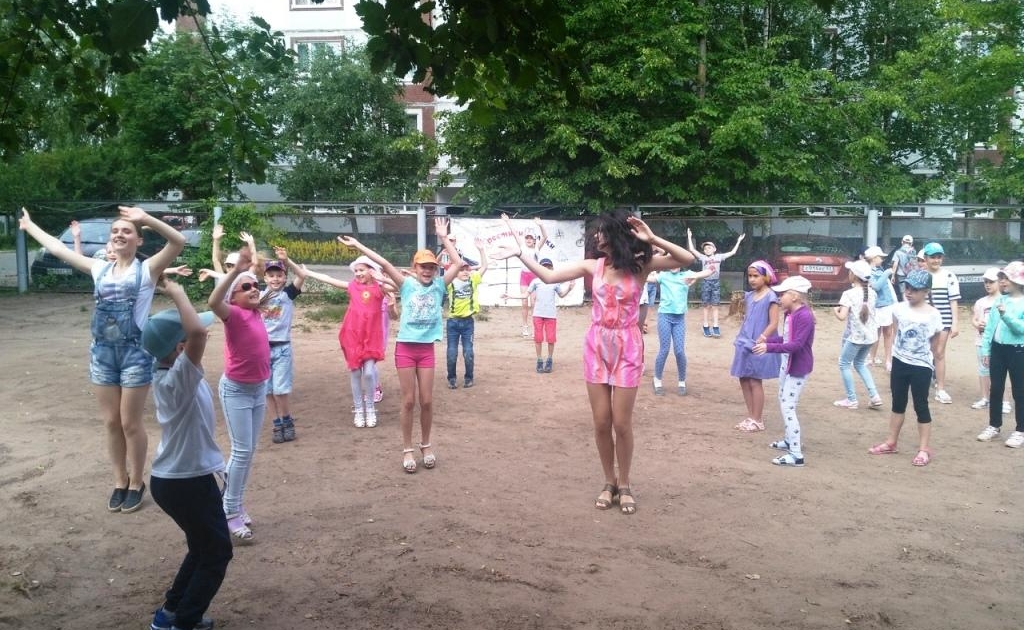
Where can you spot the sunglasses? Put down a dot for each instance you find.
(247, 286)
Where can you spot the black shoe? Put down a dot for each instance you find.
(468, 383)
(133, 499)
(451, 383)
(117, 499)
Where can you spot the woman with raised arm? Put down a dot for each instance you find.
(121, 370)
(613, 347)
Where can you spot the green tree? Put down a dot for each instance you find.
(79, 45)
(347, 135)
(188, 123)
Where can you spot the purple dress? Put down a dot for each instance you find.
(746, 364)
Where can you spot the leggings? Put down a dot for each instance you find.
(1006, 359)
(789, 397)
(671, 332)
(363, 381)
(918, 380)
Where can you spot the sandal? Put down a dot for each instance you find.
(923, 457)
(239, 529)
(429, 459)
(408, 464)
(604, 504)
(750, 426)
(630, 507)
(883, 449)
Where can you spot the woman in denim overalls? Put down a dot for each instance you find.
(118, 366)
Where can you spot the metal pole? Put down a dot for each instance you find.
(421, 227)
(871, 231)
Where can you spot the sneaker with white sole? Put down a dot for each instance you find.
(981, 403)
(846, 403)
(1016, 439)
(789, 460)
(359, 418)
(371, 418)
(876, 402)
(1006, 407)
(989, 434)
(943, 397)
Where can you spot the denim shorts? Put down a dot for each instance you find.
(282, 370)
(121, 365)
(711, 291)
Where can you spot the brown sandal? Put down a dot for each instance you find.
(604, 504)
(627, 508)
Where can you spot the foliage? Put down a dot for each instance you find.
(186, 126)
(56, 47)
(348, 134)
(307, 251)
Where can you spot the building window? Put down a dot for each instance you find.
(302, 5)
(414, 120)
(307, 49)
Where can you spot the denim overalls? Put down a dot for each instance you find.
(117, 354)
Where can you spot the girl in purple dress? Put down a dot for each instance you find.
(759, 323)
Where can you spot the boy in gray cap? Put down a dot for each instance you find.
(182, 480)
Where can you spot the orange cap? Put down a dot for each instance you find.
(424, 257)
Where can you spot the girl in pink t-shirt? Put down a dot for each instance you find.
(243, 387)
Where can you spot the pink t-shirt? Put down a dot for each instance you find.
(246, 346)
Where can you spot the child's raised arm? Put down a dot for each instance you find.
(216, 301)
(385, 265)
(735, 248)
(298, 271)
(218, 233)
(195, 332)
(323, 277)
(677, 256)
(689, 244)
(441, 230)
(482, 248)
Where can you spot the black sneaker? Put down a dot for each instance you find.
(288, 430)
(540, 366)
(164, 620)
(133, 499)
(451, 383)
(547, 366)
(468, 383)
(277, 436)
(117, 499)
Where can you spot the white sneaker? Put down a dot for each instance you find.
(943, 397)
(845, 403)
(875, 402)
(982, 403)
(1016, 439)
(359, 418)
(1006, 407)
(988, 434)
(526, 331)
(371, 418)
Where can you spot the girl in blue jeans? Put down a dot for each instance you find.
(857, 309)
(243, 387)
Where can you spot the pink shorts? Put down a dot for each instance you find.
(544, 329)
(525, 278)
(414, 355)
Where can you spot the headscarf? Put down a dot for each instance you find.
(765, 269)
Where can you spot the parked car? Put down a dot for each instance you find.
(95, 234)
(820, 259)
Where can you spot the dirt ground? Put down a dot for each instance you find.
(503, 533)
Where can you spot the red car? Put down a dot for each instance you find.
(818, 258)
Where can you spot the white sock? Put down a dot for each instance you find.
(682, 383)
(657, 382)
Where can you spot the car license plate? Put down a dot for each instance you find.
(61, 271)
(817, 269)
(970, 279)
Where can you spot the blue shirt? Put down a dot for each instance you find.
(421, 310)
(674, 291)
(1006, 328)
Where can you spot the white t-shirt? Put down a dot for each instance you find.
(914, 331)
(858, 332)
(547, 298)
(184, 409)
(120, 289)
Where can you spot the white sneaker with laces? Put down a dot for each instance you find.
(1006, 407)
(982, 403)
(875, 402)
(845, 403)
(1016, 439)
(943, 397)
(988, 434)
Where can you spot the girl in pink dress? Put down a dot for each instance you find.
(613, 347)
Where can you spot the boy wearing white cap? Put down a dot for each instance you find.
(187, 459)
(711, 287)
(903, 262)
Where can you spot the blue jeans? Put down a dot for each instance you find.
(460, 328)
(244, 405)
(855, 355)
(195, 506)
(671, 332)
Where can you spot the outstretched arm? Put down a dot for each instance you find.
(218, 233)
(389, 269)
(195, 332)
(54, 245)
(298, 272)
(735, 248)
(677, 256)
(216, 301)
(480, 247)
(689, 243)
(323, 277)
(441, 230)
(543, 234)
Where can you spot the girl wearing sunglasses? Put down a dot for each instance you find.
(243, 387)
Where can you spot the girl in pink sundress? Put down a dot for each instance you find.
(613, 347)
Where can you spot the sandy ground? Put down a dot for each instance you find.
(503, 533)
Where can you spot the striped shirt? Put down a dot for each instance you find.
(945, 291)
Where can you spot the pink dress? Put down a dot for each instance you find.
(361, 335)
(613, 350)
